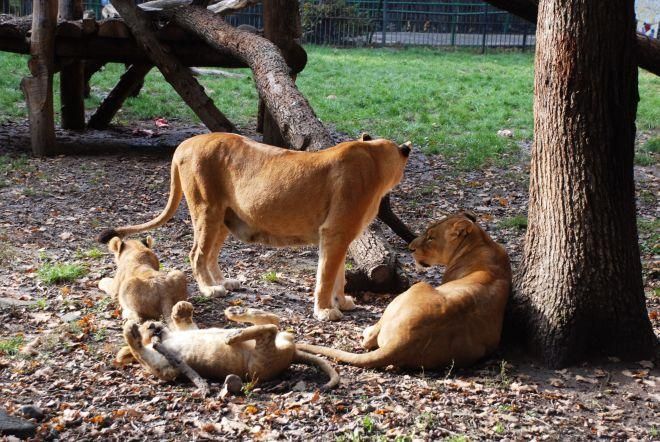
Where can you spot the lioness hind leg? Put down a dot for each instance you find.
(251, 316)
(182, 316)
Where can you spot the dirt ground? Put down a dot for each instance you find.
(52, 209)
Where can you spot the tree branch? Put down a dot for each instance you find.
(180, 365)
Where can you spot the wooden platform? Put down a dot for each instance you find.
(111, 41)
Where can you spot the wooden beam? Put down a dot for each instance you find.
(129, 82)
(38, 87)
(174, 72)
(72, 76)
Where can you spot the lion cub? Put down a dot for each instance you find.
(142, 290)
(459, 321)
(259, 352)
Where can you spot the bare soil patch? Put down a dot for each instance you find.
(52, 209)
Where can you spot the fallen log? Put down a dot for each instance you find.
(174, 72)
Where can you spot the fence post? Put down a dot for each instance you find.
(454, 21)
(524, 42)
(483, 26)
(384, 21)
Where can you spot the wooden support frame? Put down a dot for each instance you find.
(72, 76)
(38, 87)
(128, 84)
(174, 72)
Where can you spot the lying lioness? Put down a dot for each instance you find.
(142, 290)
(256, 353)
(459, 321)
(278, 197)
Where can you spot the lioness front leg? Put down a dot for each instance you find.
(148, 357)
(344, 302)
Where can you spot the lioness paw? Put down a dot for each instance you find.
(231, 284)
(328, 314)
(213, 291)
(347, 303)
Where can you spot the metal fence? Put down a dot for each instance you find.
(466, 23)
(459, 23)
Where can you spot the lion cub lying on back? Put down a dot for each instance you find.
(459, 321)
(142, 290)
(259, 352)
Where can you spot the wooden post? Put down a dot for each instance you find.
(174, 72)
(282, 27)
(38, 87)
(72, 76)
(130, 82)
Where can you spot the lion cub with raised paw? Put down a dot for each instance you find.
(259, 352)
(142, 290)
(457, 322)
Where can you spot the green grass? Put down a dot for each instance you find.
(449, 102)
(270, 277)
(647, 154)
(649, 232)
(56, 273)
(11, 346)
(518, 221)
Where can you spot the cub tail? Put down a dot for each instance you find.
(176, 194)
(372, 359)
(310, 359)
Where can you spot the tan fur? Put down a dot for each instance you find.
(256, 353)
(142, 290)
(457, 322)
(279, 197)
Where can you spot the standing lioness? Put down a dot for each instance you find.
(278, 197)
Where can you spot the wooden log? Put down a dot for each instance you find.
(38, 87)
(281, 26)
(377, 268)
(181, 365)
(128, 84)
(91, 67)
(72, 76)
(174, 72)
(300, 128)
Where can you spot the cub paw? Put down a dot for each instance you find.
(346, 303)
(182, 310)
(213, 291)
(369, 338)
(328, 314)
(124, 357)
(132, 334)
(230, 338)
(105, 285)
(235, 311)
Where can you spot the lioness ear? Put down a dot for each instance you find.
(148, 241)
(470, 215)
(365, 137)
(115, 244)
(462, 227)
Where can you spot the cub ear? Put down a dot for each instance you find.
(148, 241)
(365, 137)
(470, 215)
(115, 244)
(462, 227)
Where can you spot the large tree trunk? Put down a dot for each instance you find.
(580, 290)
(648, 49)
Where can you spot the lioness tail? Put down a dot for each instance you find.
(176, 194)
(372, 359)
(324, 365)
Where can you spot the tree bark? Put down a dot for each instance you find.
(174, 72)
(299, 125)
(72, 76)
(38, 88)
(130, 82)
(647, 49)
(580, 288)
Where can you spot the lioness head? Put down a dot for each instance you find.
(134, 250)
(393, 157)
(438, 243)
